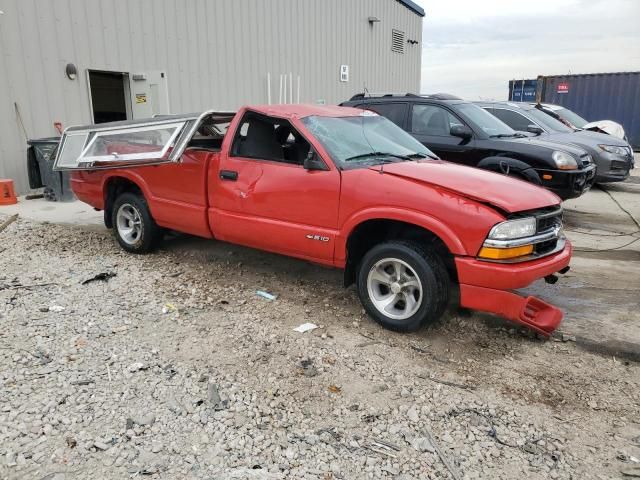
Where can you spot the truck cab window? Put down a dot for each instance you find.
(267, 138)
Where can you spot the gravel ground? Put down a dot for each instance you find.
(175, 368)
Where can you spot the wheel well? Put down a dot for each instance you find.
(114, 187)
(373, 232)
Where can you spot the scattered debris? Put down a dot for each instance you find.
(623, 457)
(308, 370)
(8, 222)
(445, 382)
(334, 389)
(82, 381)
(305, 327)
(101, 445)
(34, 196)
(103, 276)
(568, 338)
(168, 308)
(380, 450)
(56, 308)
(422, 444)
(384, 444)
(71, 442)
(443, 457)
(267, 295)
(329, 359)
(134, 367)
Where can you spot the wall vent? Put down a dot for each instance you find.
(397, 41)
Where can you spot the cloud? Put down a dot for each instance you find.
(472, 49)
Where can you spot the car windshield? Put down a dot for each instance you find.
(365, 139)
(548, 121)
(572, 117)
(487, 122)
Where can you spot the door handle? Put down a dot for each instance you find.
(228, 175)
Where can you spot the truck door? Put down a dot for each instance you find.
(263, 197)
(431, 125)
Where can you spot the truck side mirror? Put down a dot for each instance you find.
(461, 131)
(535, 129)
(313, 162)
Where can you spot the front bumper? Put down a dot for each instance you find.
(568, 183)
(485, 286)
(613, 168)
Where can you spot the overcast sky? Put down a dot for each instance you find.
(472, 48)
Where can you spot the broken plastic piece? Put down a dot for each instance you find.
(530, 311)
(56, 308)
(168, 307)
(266, 295)
(306, 327)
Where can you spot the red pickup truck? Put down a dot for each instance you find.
(332, 185)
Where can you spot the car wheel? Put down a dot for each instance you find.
(403, 285)
(133, 225)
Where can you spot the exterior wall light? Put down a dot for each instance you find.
(373, 20)
(71, 71)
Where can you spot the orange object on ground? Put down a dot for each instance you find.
(7, 193)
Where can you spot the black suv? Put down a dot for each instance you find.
(462, 132)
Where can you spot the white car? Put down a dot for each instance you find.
(574, 120)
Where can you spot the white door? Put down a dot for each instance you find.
(149, 94)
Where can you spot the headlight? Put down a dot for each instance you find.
(615, 149)
(564, 161)
(523, 227)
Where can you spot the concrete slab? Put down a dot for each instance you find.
(41, 210)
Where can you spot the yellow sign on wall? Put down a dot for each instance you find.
(141, 98)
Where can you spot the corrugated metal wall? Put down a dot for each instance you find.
(599, 96)
(216, 53)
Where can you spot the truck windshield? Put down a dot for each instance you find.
(485, 121)
(365, 139)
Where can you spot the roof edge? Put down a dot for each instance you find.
(414, 7)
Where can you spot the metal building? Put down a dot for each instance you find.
(66, 62)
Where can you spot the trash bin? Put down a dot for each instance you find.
(40, 157)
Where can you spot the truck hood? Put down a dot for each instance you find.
(507, 194)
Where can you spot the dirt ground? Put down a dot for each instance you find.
(175, 368)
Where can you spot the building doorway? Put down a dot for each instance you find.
(110, 98)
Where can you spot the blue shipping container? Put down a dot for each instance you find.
(597, 96)
(522, 90)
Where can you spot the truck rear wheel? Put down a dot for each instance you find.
(403, 285)
(133, 225)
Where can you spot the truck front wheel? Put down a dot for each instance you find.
(403, 285)
(133, 225)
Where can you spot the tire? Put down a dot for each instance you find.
(420, 269)
(133, 225)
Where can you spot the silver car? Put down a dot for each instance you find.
(612, 156)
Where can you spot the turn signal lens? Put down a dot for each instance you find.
(505, 253)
